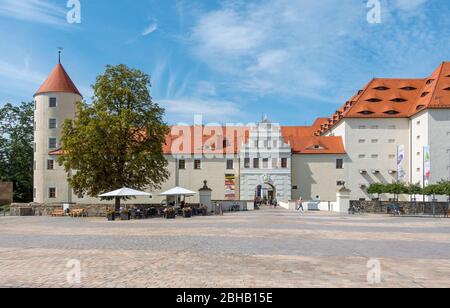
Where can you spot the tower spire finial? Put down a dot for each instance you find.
(60, 49)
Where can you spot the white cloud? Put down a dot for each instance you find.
(409, 5)
(16, 73)
(37, 11)
(152, 27)
(184, 109)
(322, 50)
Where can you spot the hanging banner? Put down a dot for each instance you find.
(426, 165)
(400, 159)
(230, 186)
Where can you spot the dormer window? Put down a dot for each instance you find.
(366, 112)
(382, 88)
(392, 112)
(360, 92)
(374, 100)
(420, 107)
(424, 94)
(430, 81)
(447, 89)
(398, 100)
(408, 88)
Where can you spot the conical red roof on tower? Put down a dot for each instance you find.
(58, 81)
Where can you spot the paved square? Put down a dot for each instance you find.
(267, 248)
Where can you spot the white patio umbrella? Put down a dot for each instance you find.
(178, 191)
(124, 192)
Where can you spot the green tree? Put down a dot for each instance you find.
(414, 190)
(16, 149)
(433, 190)
(396, 188)
(117, 141)
(377, 188)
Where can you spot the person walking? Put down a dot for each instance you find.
(275, 203)
(300, 206)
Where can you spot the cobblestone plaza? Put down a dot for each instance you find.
(267, 248)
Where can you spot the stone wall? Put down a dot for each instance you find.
(6, 193)
(410, 208)
(93, 210)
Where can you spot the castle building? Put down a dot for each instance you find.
(391, 130)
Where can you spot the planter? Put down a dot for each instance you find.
(170, 215)
(124, 216)
(187, 215)
(111, 217)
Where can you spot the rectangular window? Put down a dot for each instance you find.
(35, 105)
(284, 163)
(230, 164)
(51, 123)
(256, 163)
(34, 165)
(34, 126)
(50, 164)
(52, 192)
(339, 163)
(274, 163)
(418, 137)
(197, 164)
(294, 187)
(375, 156)
(374, 140)
(391, 140)
(265, 163)
(247, 163)
(275, 144)
(362, 140)
(52, 143)
(374, 127)
(182, 164)
(34, 147)
(34, 192)
(52, 102)
(392, 156)
(361, 156)
(340, 183)
(362, 127)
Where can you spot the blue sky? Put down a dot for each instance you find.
(232, 61)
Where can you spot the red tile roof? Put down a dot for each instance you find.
(396, 98)
(58, 81)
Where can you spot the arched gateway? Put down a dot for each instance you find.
(265, 164)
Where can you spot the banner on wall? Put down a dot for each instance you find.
(400, 160)
(426, 165)
(230, 186)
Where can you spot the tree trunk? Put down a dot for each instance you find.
(117, 204)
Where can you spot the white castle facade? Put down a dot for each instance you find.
(391, 130)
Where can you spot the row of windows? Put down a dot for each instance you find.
(50, 164)
(52, 103)
(265, 163)
(52, 144)
(52, 124)
(376, 127)
(363, 156)
(375, 140)
(198, 164)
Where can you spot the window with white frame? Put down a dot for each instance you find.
(51, 123)
(52, 192)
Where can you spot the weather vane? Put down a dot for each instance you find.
(60, 49)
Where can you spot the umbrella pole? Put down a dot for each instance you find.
(117, 204)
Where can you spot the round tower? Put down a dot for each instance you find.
(54, 102)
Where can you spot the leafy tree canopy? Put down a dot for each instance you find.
(16, 149)
(117, 140)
